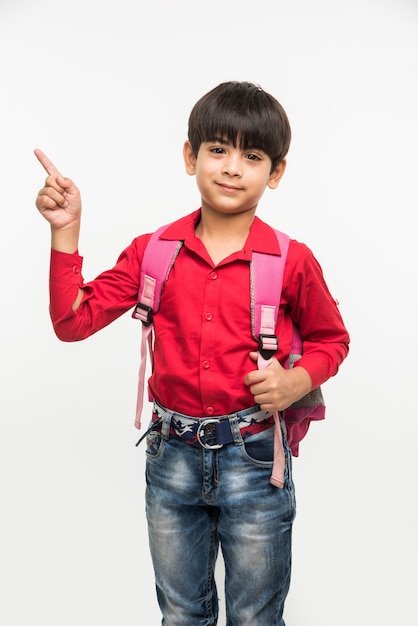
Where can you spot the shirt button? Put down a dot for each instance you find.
(76, 269)
(206, 365)
(209, 410)
(213, 275)
(209, 317)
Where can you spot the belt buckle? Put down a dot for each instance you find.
(199, 434)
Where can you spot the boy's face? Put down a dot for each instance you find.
(231, 180)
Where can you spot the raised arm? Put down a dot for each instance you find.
(59, 201)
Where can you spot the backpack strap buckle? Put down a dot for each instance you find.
(267, 345)
(143, 313)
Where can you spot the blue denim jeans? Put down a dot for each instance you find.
(198, 499)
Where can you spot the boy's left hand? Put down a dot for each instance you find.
(275, 388)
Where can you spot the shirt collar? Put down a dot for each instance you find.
(260, 239)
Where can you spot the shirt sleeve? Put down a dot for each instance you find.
(312, 308)
(105, 298)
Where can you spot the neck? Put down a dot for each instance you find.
(224, 226)
(222, 235)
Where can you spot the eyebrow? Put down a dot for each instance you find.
(224, 142)
(227, 142)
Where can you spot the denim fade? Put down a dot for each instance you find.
(198, 500)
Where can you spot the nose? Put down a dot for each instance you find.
(232, 165)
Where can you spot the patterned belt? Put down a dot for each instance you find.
(211, 432)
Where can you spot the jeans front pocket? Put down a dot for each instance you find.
(154, 444)
(259, 448)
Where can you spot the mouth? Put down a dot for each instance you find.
(230, 188)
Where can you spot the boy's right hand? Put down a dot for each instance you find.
(59, 201)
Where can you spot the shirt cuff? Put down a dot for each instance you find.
(66, 268)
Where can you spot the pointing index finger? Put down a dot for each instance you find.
(48, 166)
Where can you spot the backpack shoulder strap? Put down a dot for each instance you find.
(158, 259)
(267, 271)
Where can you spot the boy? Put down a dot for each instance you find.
(201, 496)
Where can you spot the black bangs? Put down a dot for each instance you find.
(244, 115)
(240, 132)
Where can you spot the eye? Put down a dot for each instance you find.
(217, 150)
(253, 157)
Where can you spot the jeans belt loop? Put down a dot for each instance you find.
(235, 429)
(166, 423)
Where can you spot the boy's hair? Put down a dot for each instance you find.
(245, 115)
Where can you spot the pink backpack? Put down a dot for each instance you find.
(266, 269)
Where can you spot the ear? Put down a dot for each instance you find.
(277, 174)
(189, 158)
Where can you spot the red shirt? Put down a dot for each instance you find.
(203, 328)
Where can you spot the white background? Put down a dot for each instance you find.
(105, 88)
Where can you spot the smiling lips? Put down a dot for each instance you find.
(229, 187)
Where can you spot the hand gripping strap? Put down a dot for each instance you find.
(277, 475)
